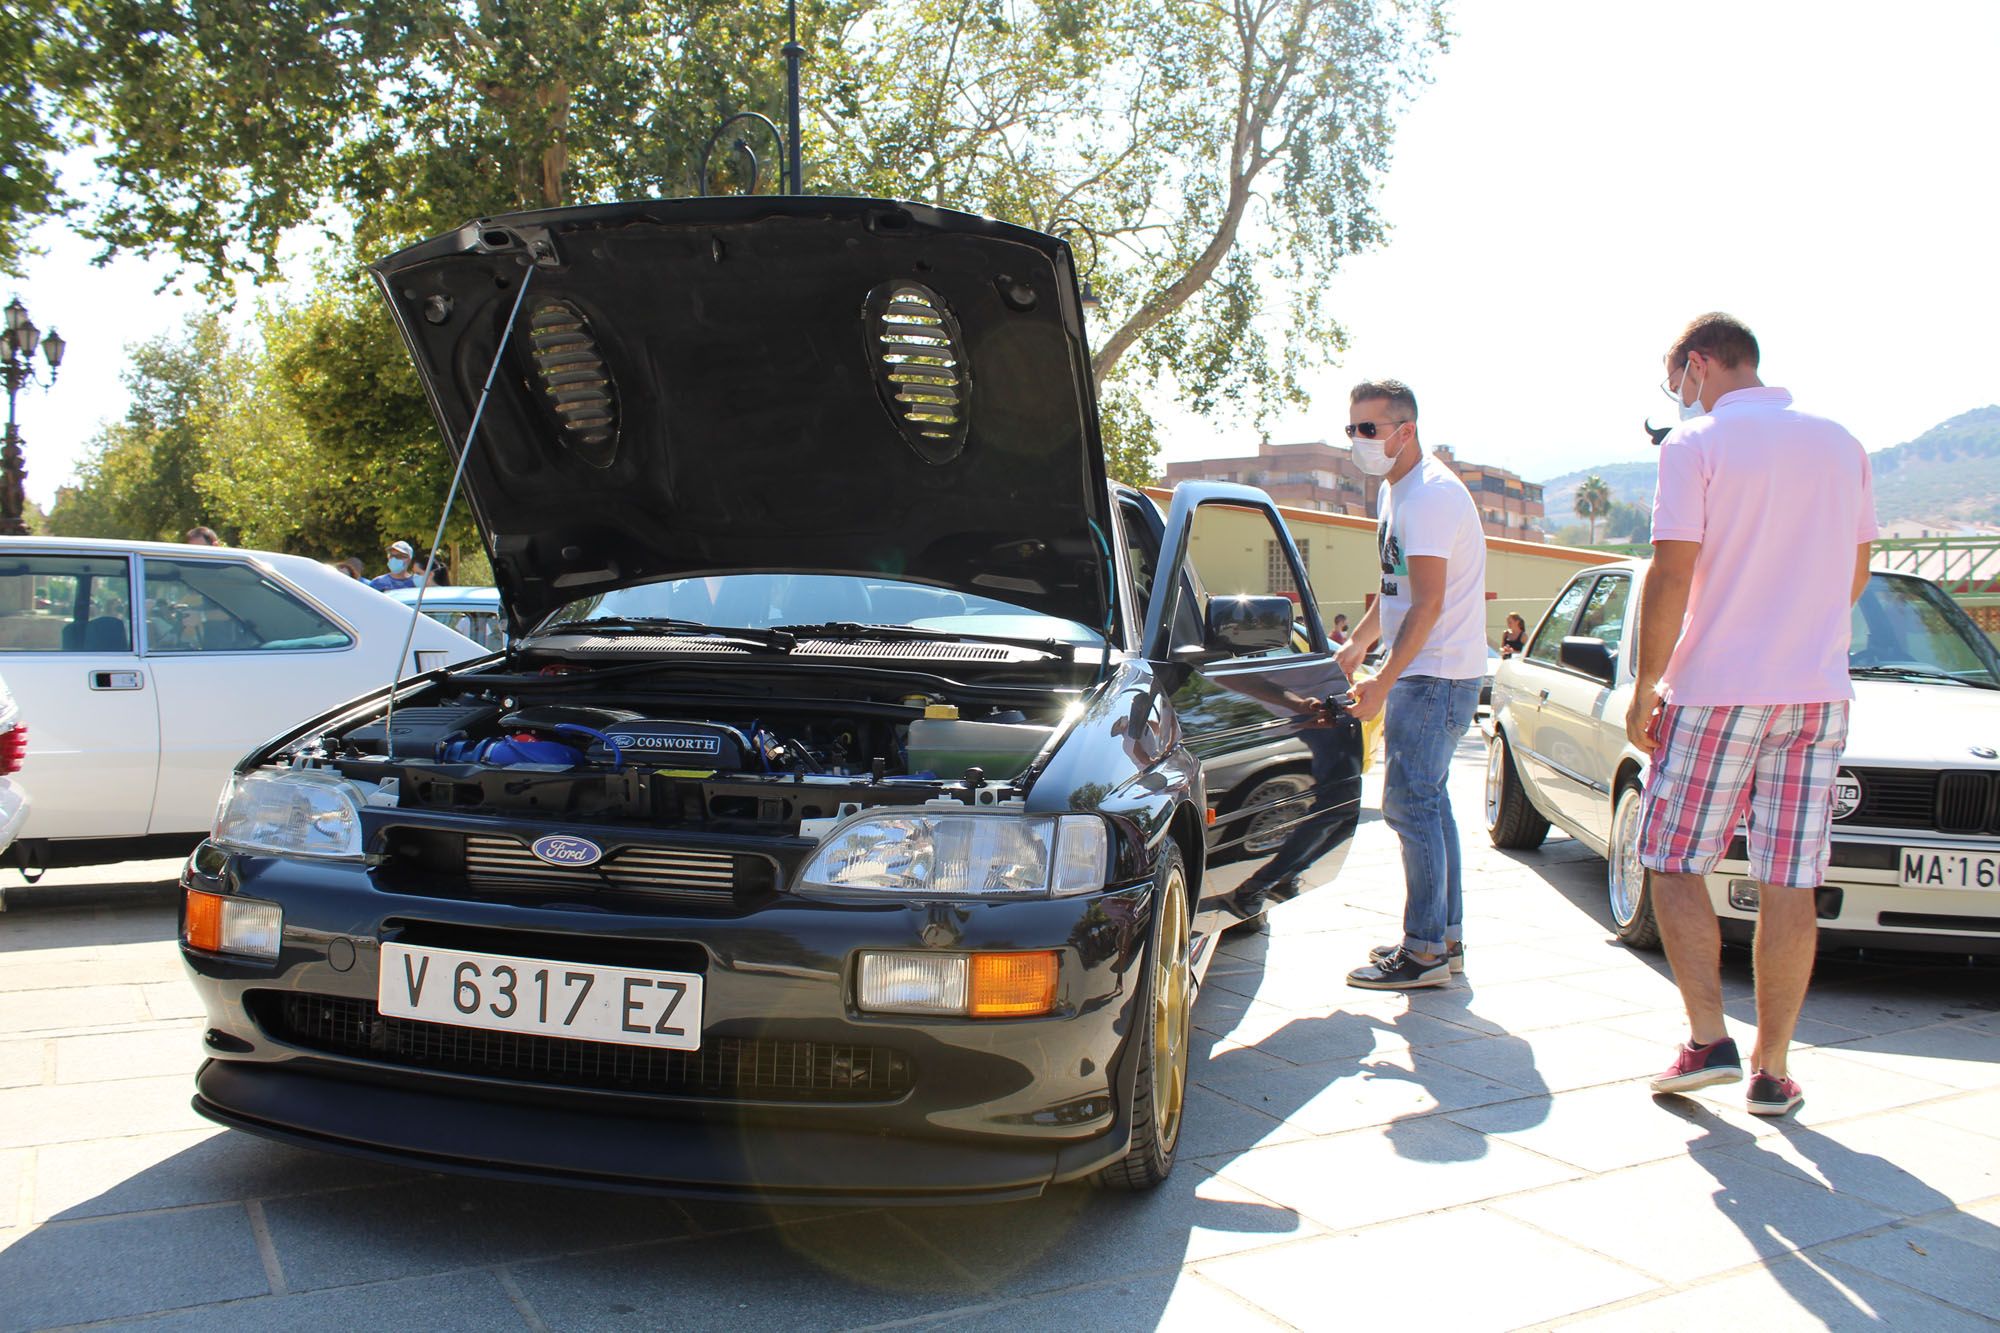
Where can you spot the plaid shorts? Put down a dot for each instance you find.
(1774, 761)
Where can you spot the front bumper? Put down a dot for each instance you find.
(1864, 903)
(799, 1101)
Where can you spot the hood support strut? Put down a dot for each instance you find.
(451, 498)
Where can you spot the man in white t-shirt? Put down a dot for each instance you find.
(1431, 611)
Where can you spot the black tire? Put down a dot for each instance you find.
(1621, 863)
(1155, 1126)
(1512, 821)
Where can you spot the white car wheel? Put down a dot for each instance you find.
(1625, 879)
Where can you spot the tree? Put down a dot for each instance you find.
(225, 127)
(1211, 162)
(28, 141)
(140, 478)
(1593, 501)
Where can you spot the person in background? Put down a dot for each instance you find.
(1762, 530)
(1432, 615)
(1516, 636)
(435, 571)
(351, 566)
(1338, 634)
(202, 536)
(400, 574)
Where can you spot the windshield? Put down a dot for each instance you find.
(1909, 625)
(764, 601)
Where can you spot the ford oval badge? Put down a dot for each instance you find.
(561, 849)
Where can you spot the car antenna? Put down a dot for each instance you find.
(451, 497)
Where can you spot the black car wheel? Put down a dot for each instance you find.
(1512, 821)
(1159, 1091)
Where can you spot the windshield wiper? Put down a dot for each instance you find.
(762, 638)
(848, 629)
(1919, 673)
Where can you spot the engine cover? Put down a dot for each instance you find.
(667, 744)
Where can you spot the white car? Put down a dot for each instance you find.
(13, 751)
(150, 668)
(474, 612)
(1916, 833)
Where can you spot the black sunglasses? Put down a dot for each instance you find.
(1368, 430)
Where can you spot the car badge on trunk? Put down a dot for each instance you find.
(561, 849)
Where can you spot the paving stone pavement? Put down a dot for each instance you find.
(1486, 1152)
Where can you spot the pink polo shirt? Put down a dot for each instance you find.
(1779, 501)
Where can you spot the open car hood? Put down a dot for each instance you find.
(777, 383)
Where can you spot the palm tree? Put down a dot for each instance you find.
(1593, 501)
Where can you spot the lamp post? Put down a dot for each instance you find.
(19, 341)
(791, 166)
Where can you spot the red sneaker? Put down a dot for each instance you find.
(1701, 1067)
(1773, 1094)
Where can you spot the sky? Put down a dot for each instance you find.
(1578, 180)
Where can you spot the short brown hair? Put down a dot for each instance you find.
(1396, 393)
(1724, 337)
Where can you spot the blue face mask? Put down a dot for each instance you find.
(397, 564)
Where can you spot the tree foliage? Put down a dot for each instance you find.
(140, 478)
(28, 139)
(1211, 162)
(1593, 502)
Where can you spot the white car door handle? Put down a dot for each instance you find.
(117, 680)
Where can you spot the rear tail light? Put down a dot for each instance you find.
(13, 749)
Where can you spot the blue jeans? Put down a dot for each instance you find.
(1421, 727)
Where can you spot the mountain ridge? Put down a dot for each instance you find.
(1947, 476)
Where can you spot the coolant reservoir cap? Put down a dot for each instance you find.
(945, 712)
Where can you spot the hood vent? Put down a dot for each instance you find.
(918, 356)
(574, 377)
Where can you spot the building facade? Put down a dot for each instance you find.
(1317, 475)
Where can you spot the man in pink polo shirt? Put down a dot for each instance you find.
(1761, 532)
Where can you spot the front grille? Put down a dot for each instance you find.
(495, 863)
(1957, 802)
(727, 1068)
(1964, 802)
(1895, 798)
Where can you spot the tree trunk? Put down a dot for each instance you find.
(555, 156)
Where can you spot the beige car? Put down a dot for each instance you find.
(1916, 832)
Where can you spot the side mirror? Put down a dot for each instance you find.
(1236, 626)
(1593, 657)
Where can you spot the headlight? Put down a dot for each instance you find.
(295, 812)
(933, 853)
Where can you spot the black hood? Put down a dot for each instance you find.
(779, 383)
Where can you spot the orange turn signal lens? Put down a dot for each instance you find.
(1013, 985)
(203, 929)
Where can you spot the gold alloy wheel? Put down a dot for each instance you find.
(1173, 1012)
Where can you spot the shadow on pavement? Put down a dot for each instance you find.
(353, 1239)
(1741, 1164)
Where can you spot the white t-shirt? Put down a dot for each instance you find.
(1429, 512)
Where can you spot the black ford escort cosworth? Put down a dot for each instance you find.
(855, 807)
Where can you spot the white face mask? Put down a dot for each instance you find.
(1372, 456)
(1689, 411)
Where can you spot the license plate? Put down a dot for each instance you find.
(1950, 870)
(548, 999)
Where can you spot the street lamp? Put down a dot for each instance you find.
(19, 342)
